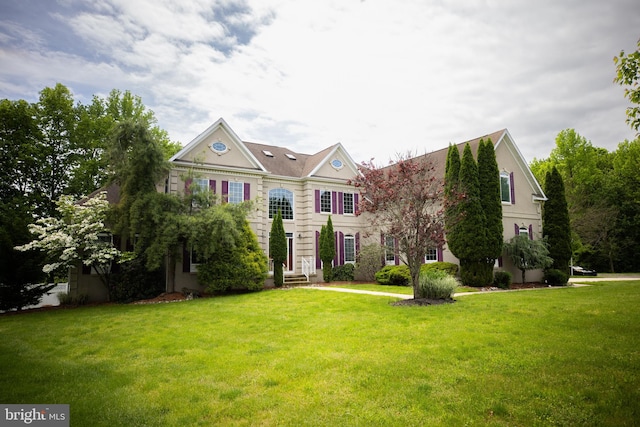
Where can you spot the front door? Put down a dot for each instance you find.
(289, 264)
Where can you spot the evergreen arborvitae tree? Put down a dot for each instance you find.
(327, 249)
(471, 225)
(489, 180)
(278, 249)
(555, 221)
(452, 212)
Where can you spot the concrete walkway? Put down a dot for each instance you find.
(574, 282)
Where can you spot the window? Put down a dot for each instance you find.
(202, 184)
(325, 201)
(347, 200)
(281, 198)
(523, 231)
(389, 250)
(236, 192)
(431, 256)
(194, 260)
(505, 187)
(349, 249)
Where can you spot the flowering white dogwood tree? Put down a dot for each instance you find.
(79, 235)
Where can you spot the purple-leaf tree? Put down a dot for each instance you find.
(405, 202)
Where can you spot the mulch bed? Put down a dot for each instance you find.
(423, 302)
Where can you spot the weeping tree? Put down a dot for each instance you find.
(278, 249)
(527, 254)
(138, 164)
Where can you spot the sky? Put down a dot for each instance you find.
(384, 78)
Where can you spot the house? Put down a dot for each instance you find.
(521, 194)
(307, 188)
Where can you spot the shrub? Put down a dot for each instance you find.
(394, 275)
(436, 284)
(64, 298)
(370, 260)
(555, 277)
(449, 267)
(343, 273)
(502, 279)
(134, 282)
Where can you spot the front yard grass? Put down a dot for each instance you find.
(301, 357)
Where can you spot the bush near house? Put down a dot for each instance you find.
(343, 273)
(448, 267)
(394, 275)
(502, 279)
(555, 277)
(436, 284)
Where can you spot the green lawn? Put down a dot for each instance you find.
(306, 357)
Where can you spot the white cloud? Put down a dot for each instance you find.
(380, 77)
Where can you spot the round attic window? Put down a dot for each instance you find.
(219, 147)
(337, 164)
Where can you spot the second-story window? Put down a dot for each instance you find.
(236, 192)
(281, 199)
(347, 200)
(325, 201)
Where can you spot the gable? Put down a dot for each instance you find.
(218, 146)
(510, 159)
(334, 163)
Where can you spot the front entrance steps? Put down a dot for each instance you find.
(295, 280)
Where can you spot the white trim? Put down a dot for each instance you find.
(218, 124)
(332, 154)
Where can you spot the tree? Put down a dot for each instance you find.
(327, 249)
(278, 249)
(20, 272)
(628, 74)
(592, 193)
(556, 227)
(77, 234)
(138, 164)
(229, 251)
(471, 227)
(404, 200)
(56, 120)
(527, 254)
(624, 197)
(452, 214)
(489, 183)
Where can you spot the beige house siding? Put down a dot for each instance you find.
(266, 167)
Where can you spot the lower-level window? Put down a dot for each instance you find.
(431, 256)
(349, 249)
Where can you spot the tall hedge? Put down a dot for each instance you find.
(278, 249)
(555, 221)
(327, 249)
(472, 224)
(452, 212)
(489, 184)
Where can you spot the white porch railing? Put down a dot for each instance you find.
(308, 266)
